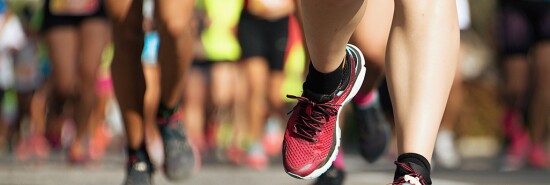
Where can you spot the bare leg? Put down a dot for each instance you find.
(371, 36)
(540, 105)
(127, 74)
(194, 106)
(257, 72)
(63, 49)
(422, 56)
(150, 106)
(328, 25)
(94, 36)
(175, 51)
(276, 102)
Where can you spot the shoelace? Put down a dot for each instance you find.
(412, 178)
(308, 125)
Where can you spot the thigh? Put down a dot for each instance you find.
(124, 10)
(63, 47)
(371, 35)
(94, 37)
(174, 15)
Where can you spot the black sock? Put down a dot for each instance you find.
(140, 153)
(318, 84)
(165, 111)
(419, 164)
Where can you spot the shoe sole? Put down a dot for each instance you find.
(355, 88)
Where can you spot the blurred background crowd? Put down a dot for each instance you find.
(56, 94)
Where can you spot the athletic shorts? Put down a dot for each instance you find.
(149, 54)
(262, 38)
(523, 24)
(56, 14)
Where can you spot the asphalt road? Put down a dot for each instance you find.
(55, 171)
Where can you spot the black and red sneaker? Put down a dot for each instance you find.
(414, 174)
(180, 158)
(139, 170)
(312, 135)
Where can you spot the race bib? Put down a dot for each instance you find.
(73, 7)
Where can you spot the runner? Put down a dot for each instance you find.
(76, 34)
(415, 66)
(173, 20)
(524, 51)
(263, 34)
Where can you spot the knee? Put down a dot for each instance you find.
(65, 89)
(174, 27)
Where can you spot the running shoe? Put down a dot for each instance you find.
(139, 170)
(414, 174)
(538, 157)
(257, 158)
(519, 142)
(273, 137)
(312, 135)
(333, 176)
(445, 151)
(179, 157)
(374, 131)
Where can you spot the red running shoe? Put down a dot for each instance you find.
(415, 175)
(312, 135)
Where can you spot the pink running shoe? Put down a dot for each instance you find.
(538, 157)
(312, 135)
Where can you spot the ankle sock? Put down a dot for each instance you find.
(339, 162)
(418, 162)
(140, 152)
(318, 84)
(364, 100)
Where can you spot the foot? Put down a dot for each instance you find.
(257, 158)
(312, 136)
(333, 176)
(179, 157)
(538, 157)
(139, 170)
(77, 154)
(374, 130)
(414, 174)
(445, 151)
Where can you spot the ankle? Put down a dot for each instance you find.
(322, 83)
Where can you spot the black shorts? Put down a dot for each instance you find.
(263, 38)
(522, 25)
(50, 20)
